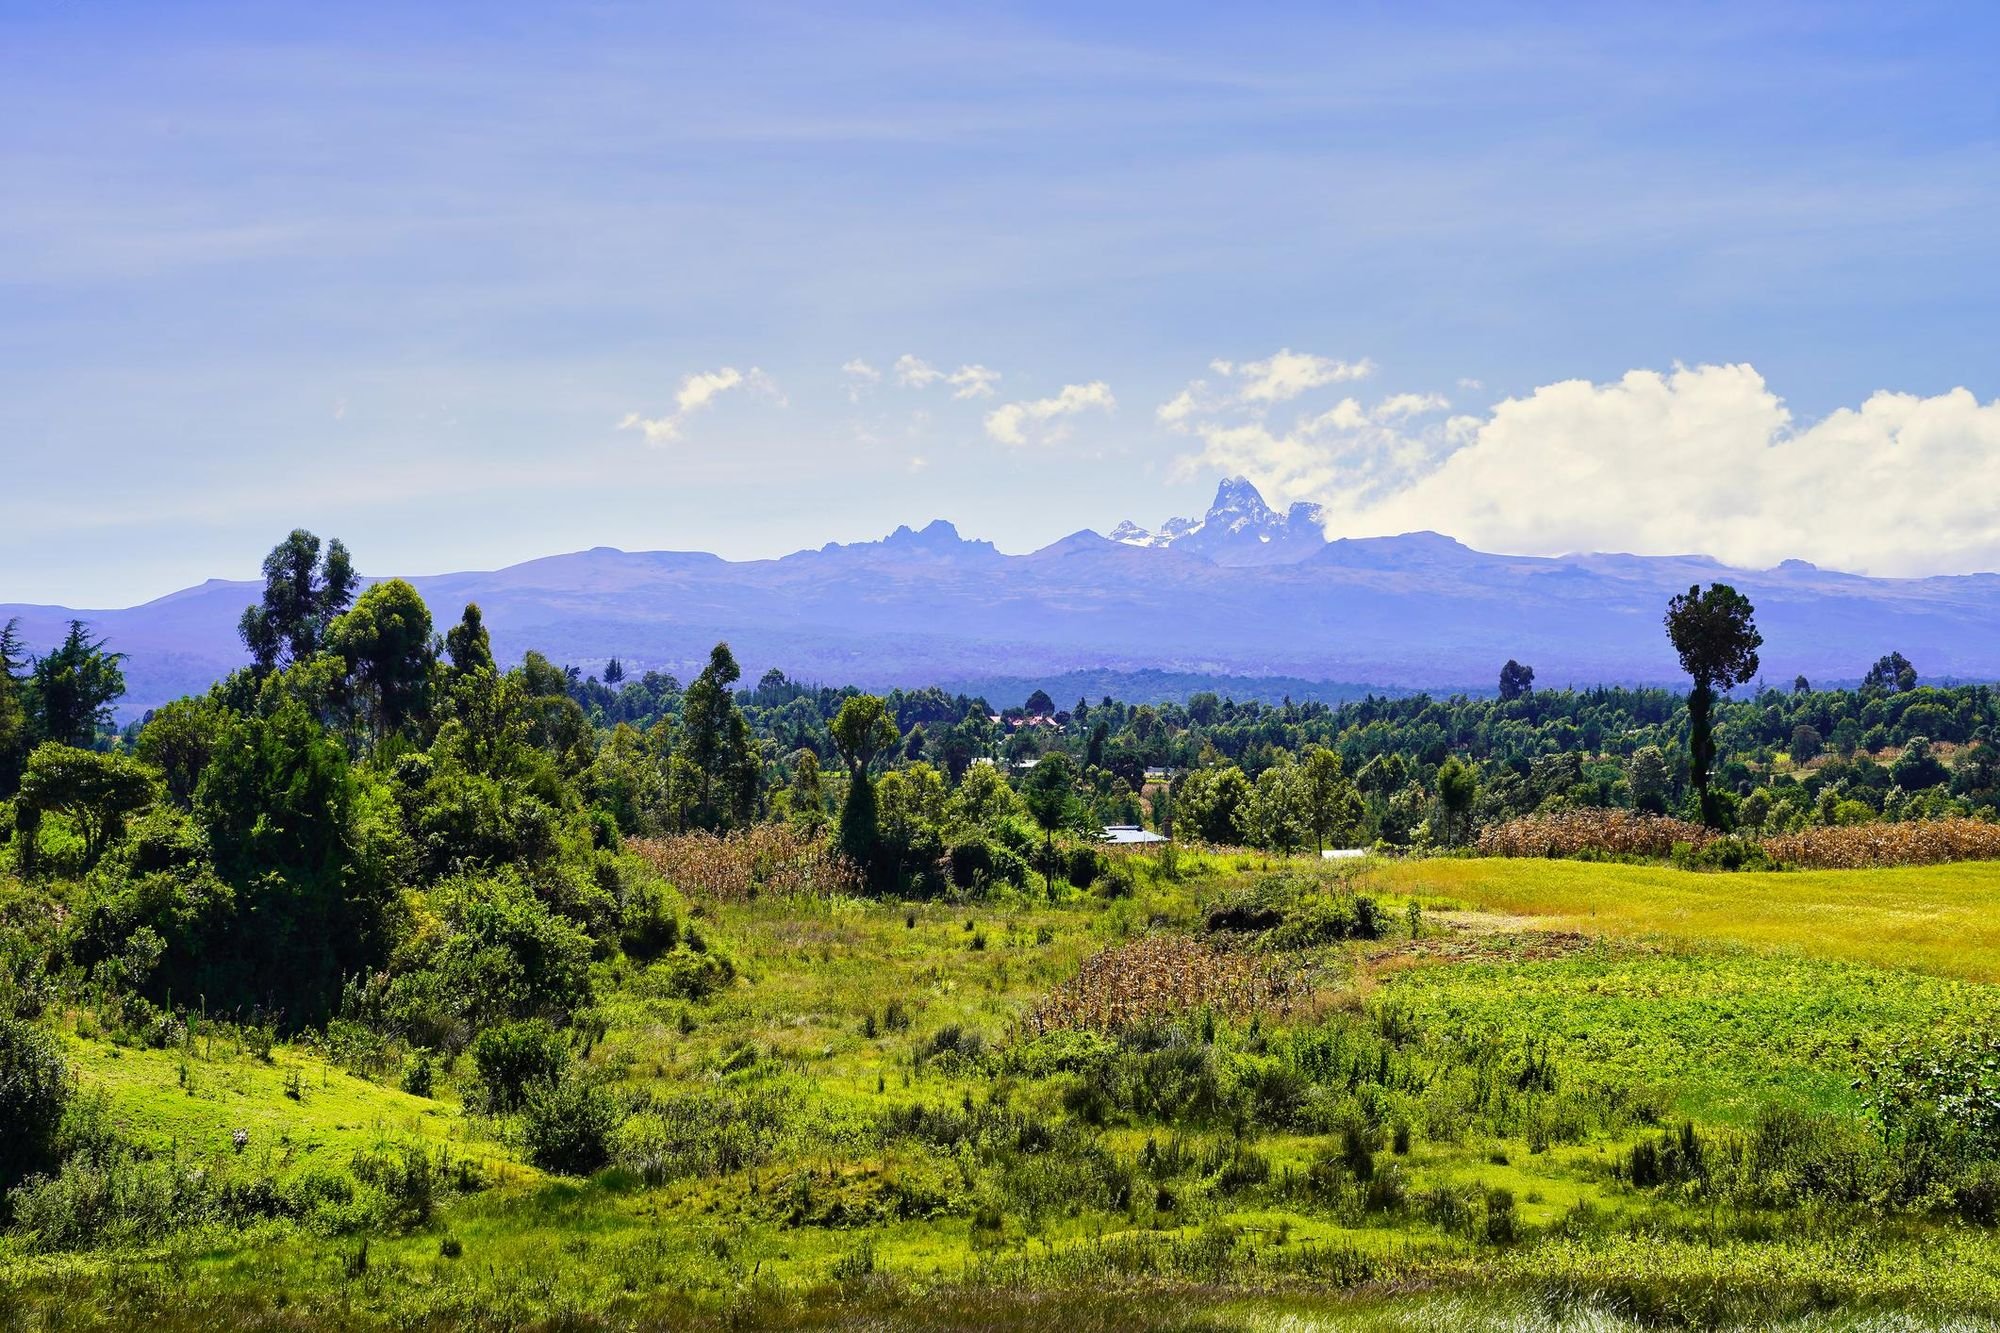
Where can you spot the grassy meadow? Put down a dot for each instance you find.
(1942, 919)
(1218, 1099)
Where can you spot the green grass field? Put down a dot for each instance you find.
(805, 1146)
(1942, 919)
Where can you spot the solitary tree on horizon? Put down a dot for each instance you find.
(1715, 634)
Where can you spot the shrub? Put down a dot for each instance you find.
(1082, 865)
(419, 1074)
(1114, 882)
(952, 1046)
(970, 863)
(409, 1181)
(35, 1088)
(686, 975)
(647, 923)
(567, 1126)
(515, 1059)
(1728, 853)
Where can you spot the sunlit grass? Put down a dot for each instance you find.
(1940, 919)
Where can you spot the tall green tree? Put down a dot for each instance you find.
(14, 738)
(1213, 804)
(1457, 785)
(715, 739)
(304, 591)
(1715, 635)
(1333, 807)
(862, 730)
(385, 640)
(97, 792)
(1050, 795)
(281, 808)
(1651, 781)
(806, 793)
(1280, 814)
(1892, 674)
(179, 739)
(467, 643)
(72, 689)
(1516, 681)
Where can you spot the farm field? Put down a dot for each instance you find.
(1203, 1105)
(1942, 919)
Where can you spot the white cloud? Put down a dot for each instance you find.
(968, 381)
(1039, 419)
(1287, 374)
(972, 382)
(1260, 385)
(1398, 406)
(1702, 460)
(697, 392)
(1469, 384)
(1179, 408)
(913, 372)
(860, 377)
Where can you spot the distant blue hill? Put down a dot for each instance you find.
(1242, 592)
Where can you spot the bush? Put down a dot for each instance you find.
(953, 1046)
(419, 1074)
(1728, 853)
(516, 1059)
(35, 1088)
(1082, 865)
(686, 975)
(647, 924)
(567, 1126)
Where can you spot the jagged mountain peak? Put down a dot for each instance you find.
(1239, 495)
(1240, 528)
(939, 537)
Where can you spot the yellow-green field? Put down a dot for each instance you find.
(1943, 919)
(1503, 1052)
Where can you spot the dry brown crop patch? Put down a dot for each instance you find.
(769, 860)
(1163, 976)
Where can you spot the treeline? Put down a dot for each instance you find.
(1783, 759)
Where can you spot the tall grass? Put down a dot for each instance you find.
(1587, 834)
(768, 860)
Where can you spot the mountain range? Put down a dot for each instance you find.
(1242, 592)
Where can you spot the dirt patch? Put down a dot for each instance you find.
(1470, 937)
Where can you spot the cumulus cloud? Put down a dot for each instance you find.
(1369, 448)
(1253, 388)
(968, 381)
(698, 391)
(1399, 406)
(972, 382)
(1040, 419)
(913, 372)
(1288, 374)
(1705, 460)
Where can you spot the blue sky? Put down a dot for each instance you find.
(399, 273)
